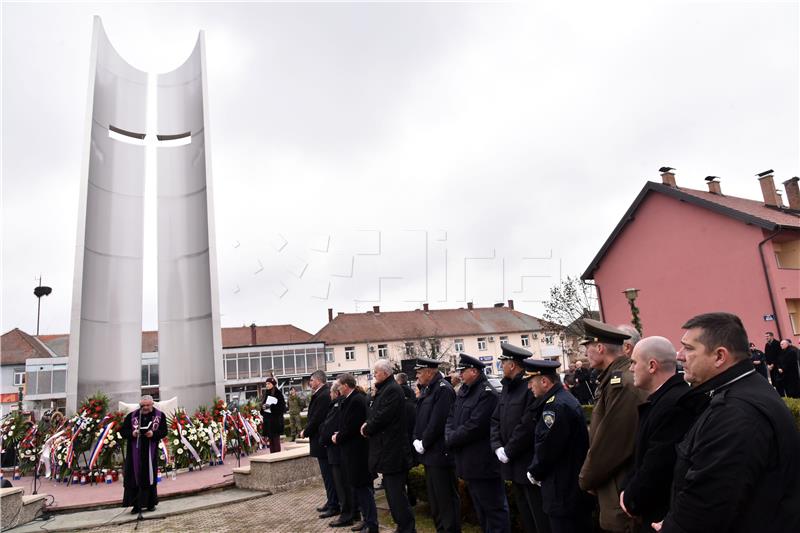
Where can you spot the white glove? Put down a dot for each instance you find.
(532, 479)
(501, 455)
(418, 447)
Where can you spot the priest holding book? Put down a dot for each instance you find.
(143, 429)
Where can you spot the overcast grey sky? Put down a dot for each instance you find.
(360, 152)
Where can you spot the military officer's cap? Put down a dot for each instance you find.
(467, 361)
(539, 367)
(515, 353)
(597, 331)
(424, 362)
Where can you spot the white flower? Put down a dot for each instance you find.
(179, 451)
(176, 442)
(118, 435)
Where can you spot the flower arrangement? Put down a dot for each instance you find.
(12, 429)
(185, 440)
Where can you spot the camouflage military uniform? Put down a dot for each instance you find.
(295, 423)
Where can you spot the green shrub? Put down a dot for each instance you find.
(794, 406)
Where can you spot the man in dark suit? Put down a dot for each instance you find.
(467, 436)
(317, 410)
(562, 441)
(512, 438)
(663, 421)
(433, 407)
(772, 352)
(389, 451)
(355, 451)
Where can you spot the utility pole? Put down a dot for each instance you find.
(40, 291)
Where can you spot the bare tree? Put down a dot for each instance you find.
(429, 345)
(569, 301)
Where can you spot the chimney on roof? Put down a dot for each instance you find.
(713, 185)
(330, 314)
(425, 307)
(793, 192)
(780, 197)
(768, 188)
(469, 305)
(511, 304)
(499, 304)
(376, 308)
(668, 176)
(253, 334)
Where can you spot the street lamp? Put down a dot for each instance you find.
(631, 295)
(40, 291)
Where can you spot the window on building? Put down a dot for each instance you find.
(349, 353)
(230, 366)
(288, 362)
(329, 355)
(410, 348)
(525, 340)
(503, 339)
(793, 305)
(458, 345)
(19, 377)
(383, 350)
(548, 339)
(481, 343)
(244, 366)
(255, 364)
(787, 254)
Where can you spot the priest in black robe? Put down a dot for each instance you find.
(143, 429)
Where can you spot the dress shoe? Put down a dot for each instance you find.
(135, 511)
(322, 509)
(151, 509)
(370, 529)
(342, 521)
(329, 513)
(359, 526)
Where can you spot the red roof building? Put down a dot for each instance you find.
(690, 251)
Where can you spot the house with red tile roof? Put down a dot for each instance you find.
(354, 341)
(691, 251)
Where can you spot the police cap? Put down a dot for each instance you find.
(539, 367)
(467, 361)
(515, 353)
(424, 362)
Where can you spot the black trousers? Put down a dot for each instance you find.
(344, 492)
(578, 523)
(529, 502)
(490, 504)
(395, 486)
(365, 496)
(332, 499)
(442, 488)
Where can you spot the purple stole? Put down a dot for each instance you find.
(153, 444)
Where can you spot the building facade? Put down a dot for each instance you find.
(354, 341)
(690, 251)
(38, 367)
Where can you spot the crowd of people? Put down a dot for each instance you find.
(683, 440)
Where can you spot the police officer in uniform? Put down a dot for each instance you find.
(467, 437)
(615, 416)
(433, 407)
(512, 438)
(561, 444)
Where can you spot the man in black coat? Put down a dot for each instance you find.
(772, 351)
(759, 360)
(344, 492)
(738, 467)
(433, 407)
(582, 388)
(467, 437)
(561, 442)
(663, 422)
(411, 417)
(389, 451)
(355, 450)
(317, 411)
(789, 368)
(511, 438)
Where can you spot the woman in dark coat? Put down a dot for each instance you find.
(273, 414)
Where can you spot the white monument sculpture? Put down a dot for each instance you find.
(106, 324)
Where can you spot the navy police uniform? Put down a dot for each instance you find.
(433, 407)
(467, 437)
(512, 439)
(561, 442)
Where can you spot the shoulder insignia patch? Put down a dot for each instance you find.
(549, 418)
(551, 400)
(616, 379)
(488, 388)
(443, 384)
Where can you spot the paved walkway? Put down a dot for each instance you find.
(82, 497)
